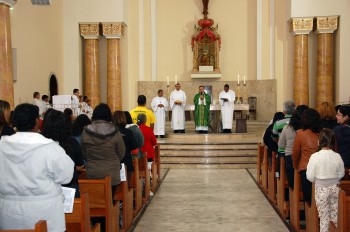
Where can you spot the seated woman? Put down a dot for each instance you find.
(268, 141)
(55, 127)
(327, 113)
(305, 144)
(342, 134)
(134, 128)
(103, 146)
(119, 121)
(32, 170)
(5, 113)
(149, 138)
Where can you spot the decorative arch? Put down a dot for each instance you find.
(53, 86)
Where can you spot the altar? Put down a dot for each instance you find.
(215, 115)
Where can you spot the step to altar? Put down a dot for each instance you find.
(213, 150)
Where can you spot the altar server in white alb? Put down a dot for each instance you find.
(177, 105)
(226, 100)
(159, 106)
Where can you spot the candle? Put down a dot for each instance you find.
(175, 79)
(238, 79)
(167, 80)
(244, 80)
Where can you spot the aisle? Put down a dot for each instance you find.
(209, 200)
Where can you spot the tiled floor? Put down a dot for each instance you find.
(209, 200)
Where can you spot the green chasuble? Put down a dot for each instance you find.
(201, 111)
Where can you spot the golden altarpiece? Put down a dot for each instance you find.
(206, 43)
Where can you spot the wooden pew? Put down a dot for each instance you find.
(157, 157)
(40, 226)
(126, 195)
(79, 220)
(343, 224)
(136, 184)
(345, 185)
(144, 173)
(154, 178)
(259, 163)
(311, 214)
(264, 168)
(295, 203)
(282, 187)
(100, 200)
(154, 169)
(271, 180)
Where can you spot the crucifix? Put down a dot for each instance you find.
(205, 8)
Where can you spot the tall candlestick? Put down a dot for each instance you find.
(167, 80)
(238, 79)
(175, 79)
(244, 80)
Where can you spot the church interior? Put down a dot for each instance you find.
(267, 51)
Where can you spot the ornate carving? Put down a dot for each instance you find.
(9, 3)
(113, 30)
(90, 30)
(300, 26)
(326, 24)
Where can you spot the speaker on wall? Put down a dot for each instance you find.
(41, 2)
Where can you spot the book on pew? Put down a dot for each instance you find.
(68, 203)
(122, 172)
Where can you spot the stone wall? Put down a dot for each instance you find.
(264, 90)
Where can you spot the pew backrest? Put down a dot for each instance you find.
(100, 200)
(40, 226)
(79, 219)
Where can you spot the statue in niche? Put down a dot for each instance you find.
(206, 43)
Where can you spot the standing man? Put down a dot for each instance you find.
(226, 100)
(177, 104)
(202, 106)
(39, 103)
(141, 109)
(159, 105)
(46, 103)
(75, 102)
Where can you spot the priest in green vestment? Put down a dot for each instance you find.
(202, 106)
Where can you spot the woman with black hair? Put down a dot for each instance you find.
(78, 126)
(134, 128)
(119, 121)
(32, 170)
(103, 146)
(342, 134)
(5, 114)
(286, 141)
(268, 141)
(55, 128)
(305, 144)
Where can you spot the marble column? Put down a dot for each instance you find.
(6, 71)
(325, 26)
(90, 32)
(300, 28)
(114, 32)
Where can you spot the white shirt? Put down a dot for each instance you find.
(325, 164)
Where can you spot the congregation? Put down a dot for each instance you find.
(314, 143)
(82, 142)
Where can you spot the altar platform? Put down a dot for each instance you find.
(213, 150)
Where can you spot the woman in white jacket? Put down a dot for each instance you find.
(326, 168)
(32, 169)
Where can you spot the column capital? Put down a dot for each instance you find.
(113, 30)
(89, 30)
(326, 24)
(300, 26)
(9, 3)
